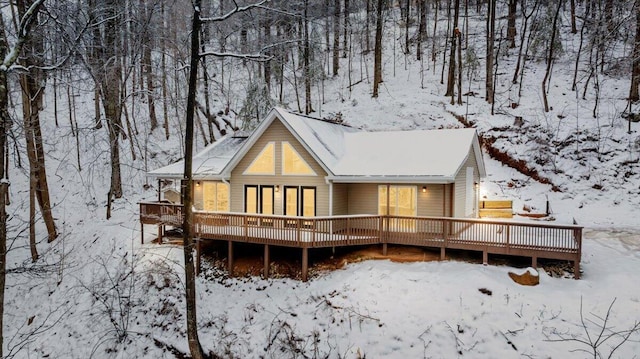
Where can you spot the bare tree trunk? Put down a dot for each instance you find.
(433, 38)
(407, 20)
(574, 84)
(635, 58)
(491, 30)
(511, 23)
(336, 37)
(163, 65)
(422, 27)
(5, 124)
(451, 77)
(574, 29)
(147, 66)
(608, 16)
(96, 107)
(547, 72)
(366, 27)
(459, 69)
(110, 89)
(32, 218)
(523, 32)
(446, 42)
(187, 193)
(345, 36)
(32, 84)
(306, 61)
(377, 57)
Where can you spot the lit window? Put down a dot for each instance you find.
(216, 196)
(292, 162)
(402, 200)
(264, 163)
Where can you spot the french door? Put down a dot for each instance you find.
(299, 201)
(259, 199)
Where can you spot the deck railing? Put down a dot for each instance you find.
(492, 236)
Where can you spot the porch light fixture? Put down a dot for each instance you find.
(277, 188)
(197, 183)
(476, 185)
(424, 189)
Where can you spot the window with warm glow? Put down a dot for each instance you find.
(401, 200)
(264, 163)
(215, 196)
(292, 162)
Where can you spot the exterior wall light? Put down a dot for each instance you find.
(424, 189)
(277, 188)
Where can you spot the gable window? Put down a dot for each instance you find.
(293, 163)
(265, 162)
(216, 196)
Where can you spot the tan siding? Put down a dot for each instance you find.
(277, 133)
(431, 203)
(340, 199)
(460, 185)
(363, 198)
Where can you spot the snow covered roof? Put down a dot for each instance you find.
(349, 154)
(208, 163)
(435, 154)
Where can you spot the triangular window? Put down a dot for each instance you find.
(292, 162)
(264, 163)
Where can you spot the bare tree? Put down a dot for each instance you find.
(377, 56)
(635, 59)
(547, 72)
(511, 23)
(9, 56)
(491, 30)
(451, 77)
(32, 84)
(187, 191)
(336, 37)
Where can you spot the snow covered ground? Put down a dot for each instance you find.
(97, 292)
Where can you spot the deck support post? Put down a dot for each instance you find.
(230, 258)
(384, 249)
(305, 263)
(141, 233)
(534, 262)
(443, 255)
(159, 234)
(266, 261)
(485, 257)
(198, 253)
(576, 269)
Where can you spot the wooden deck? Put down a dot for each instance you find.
(535, 240)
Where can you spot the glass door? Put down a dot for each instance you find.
(308, 204)
(266, 204)
(251, 202)
(290, 204)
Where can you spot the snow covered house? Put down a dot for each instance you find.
(307, 183)
(294, 165)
